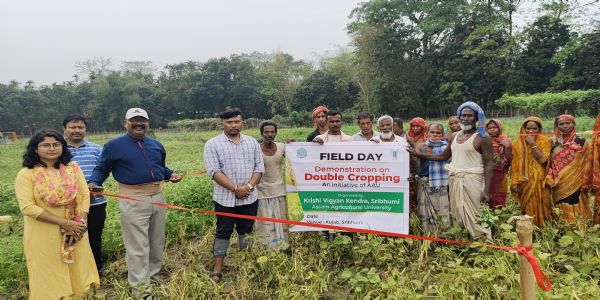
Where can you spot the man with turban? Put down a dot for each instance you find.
(319, 117)
(471, 169)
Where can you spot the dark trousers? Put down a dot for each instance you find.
(225, 226)
(96, 219)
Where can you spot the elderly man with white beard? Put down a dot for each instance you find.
(385, 124)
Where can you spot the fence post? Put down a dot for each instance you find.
(525, 236)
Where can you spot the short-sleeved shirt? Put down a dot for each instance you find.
(330, 138)
(397, 139)
(86, 156)
(360, 137)
(238, 161)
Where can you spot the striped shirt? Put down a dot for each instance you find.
(86, 156)
(237, 161)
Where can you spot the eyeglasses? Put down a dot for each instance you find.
(48, 146)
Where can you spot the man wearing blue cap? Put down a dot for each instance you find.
(470, 171)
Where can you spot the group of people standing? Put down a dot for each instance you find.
(476, 164)
(452, 175)
(558, 171)
(542, 170)
(64, 218)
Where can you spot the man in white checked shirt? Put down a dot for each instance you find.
(234, 161)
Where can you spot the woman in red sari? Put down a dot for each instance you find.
(568, 162)
(502, 159)
(417, 133)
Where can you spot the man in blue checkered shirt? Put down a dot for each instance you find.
(86, 155)
(235, 163)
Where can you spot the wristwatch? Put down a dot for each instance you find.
(251, 187)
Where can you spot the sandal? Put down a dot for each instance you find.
(216, 277)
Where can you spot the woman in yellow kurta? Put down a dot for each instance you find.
(568, 162)
(54, 199)
(531, 151)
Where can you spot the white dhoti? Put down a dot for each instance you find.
(466, 189)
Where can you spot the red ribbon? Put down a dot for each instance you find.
(541, 278)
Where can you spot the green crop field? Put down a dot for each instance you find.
(365, 267)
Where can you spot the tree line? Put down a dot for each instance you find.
(408, 58)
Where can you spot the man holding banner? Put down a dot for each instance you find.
(334, 134)
(386, 131)
(347, 183)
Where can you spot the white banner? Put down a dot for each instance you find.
(354, 184)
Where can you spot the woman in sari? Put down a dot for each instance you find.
(592, 175)
(417, 133)
(568, 162)
(54, 199)
(502, 159)
(531, 152)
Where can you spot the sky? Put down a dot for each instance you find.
(41, 40)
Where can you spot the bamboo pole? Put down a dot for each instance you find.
(525, 236)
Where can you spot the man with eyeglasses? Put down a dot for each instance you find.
(137, 163)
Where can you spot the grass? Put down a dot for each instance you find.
(368, 267)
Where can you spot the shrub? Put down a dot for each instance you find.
(578, 102)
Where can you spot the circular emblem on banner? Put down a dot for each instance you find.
(301, 153)
(395, 154)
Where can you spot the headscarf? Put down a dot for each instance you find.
(480, 115)
(592, 176)
(421, 136)
(568, 139)
(498, 123)
(499, 149)
(566, 155)
(519, 164)
(317, 110)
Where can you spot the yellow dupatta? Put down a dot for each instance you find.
(62, 193)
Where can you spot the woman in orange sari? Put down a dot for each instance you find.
(592, 175)
(567, 163)
(531, 152)
(502, 158)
